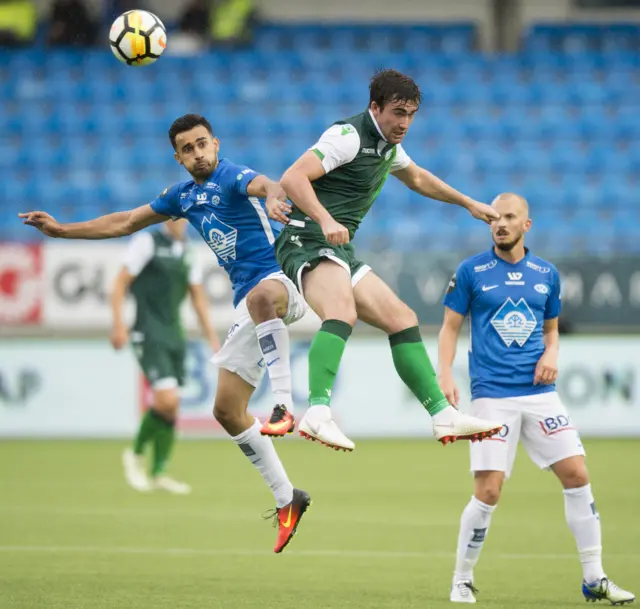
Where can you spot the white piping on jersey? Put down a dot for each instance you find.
(263, 219)
(298, 223)
(375, 122)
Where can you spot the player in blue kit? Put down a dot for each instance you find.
(223, 202)
(513, 300)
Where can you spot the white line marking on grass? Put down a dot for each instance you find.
(379, 554)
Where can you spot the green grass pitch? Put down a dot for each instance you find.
(381, 533)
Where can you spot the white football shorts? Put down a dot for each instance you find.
(540, 421)
(241, 352)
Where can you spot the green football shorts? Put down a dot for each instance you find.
(163, 365)
(302, 246)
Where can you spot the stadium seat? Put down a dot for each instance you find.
(558, 122)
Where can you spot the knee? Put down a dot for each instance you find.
(488, 490)
(399, 319)
(342, 309)
(489, 495)
(167, 403)
(348, 314)
(402, 319)
(261, 303)
(575, 478)
(225, 414)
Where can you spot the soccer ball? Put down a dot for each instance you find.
(137, 38)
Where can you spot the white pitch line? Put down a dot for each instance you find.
(379, 554)
(214, 514)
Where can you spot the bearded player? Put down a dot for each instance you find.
(513, 299)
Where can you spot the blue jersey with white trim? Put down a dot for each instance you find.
(507, 305)
(233, 224)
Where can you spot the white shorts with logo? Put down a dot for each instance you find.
(540, 421)
(241, 352)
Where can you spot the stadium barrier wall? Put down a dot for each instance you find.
(65, 285)
(83, 389)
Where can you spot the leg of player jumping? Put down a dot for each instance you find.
(327, 290)
(267, 304)
(584, 522)
(474, 525)
(230, 410)
(377, 305)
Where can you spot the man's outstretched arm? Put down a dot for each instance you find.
(119, 224)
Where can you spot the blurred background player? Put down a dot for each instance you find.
(159, 270)
(333, 186)
(513, 299)
(222, 202)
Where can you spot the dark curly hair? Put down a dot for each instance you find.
(388, 86)
(186, 123)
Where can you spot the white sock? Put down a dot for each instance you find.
(260, 451)
(584, 522)
(474, 525)
(273, 338)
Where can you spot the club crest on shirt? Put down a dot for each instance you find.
(514, 322)
(220, 237)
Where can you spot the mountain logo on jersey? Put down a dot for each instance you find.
(514, 322)
(220, 237)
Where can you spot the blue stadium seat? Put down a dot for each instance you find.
(558, 122)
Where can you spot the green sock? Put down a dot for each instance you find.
(162, 443)
(324, 359)
(146, 431)
(414, 368)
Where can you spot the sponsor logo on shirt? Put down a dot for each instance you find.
(481, 268)
(244, 172)
(201, 199)
(537, 267)
(514, 279)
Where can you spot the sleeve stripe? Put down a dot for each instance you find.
(318, 153)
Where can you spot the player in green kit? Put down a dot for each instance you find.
(159, 270)
(332, 187)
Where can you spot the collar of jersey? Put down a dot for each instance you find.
(375, 124)
(526, 257)
(210, 178)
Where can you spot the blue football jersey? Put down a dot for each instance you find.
(234, 225)
(507, 305)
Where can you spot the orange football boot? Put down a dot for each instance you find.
(280, 424)
(288, 517)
